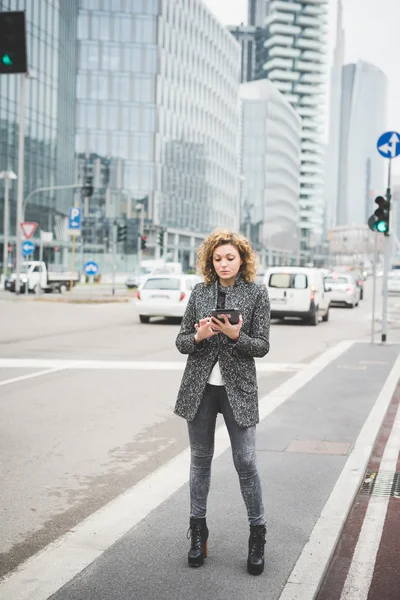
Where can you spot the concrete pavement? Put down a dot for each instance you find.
(91, 434)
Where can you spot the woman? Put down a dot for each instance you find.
(220, 376)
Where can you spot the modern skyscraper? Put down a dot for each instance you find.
(252, 40)
(49, 110)
(362, 121)
(271, 144)
(157, 95)
(296, 64)
(257, 11)
(332, 154)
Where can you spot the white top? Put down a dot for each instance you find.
(215, 376)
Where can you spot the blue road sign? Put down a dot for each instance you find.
(28, 248)
(91, 268)
(75, 219)
(389, 144)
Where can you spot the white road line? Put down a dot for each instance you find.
(361, 570)
(46, 572)
(40, 363)
(29, 376)
(307, 575)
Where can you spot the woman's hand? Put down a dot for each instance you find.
(203, 330)
(232, 331)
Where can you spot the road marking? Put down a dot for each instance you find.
(50, 569)
(30, 376)
(308, 573)
(103, 365)
(362, 566)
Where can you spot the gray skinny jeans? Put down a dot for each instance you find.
(243, 442)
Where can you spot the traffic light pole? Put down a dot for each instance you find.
(114, 251)
(386, 263)
(20, 189)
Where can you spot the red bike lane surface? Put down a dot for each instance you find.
(381, 580)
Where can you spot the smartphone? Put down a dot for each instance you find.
(232, 314)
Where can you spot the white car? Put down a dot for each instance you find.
(164, 295)
(297, 292)
(394, 282)
(344, 289)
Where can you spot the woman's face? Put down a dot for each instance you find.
(227, 262)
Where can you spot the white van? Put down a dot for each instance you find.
(297, 292)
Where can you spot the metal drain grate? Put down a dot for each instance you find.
(385, 483)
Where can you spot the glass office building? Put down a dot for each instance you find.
(157, 97)
(271, 167)
(49, 110)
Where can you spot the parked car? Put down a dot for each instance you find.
(360, 280)
(394, 282)
(164, 295)
(137, 278)
(297, 292)
(344, 289)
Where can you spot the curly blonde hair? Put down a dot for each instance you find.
(220, 237)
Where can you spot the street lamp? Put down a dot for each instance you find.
(6, 175)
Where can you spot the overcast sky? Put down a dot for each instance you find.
(372, 29)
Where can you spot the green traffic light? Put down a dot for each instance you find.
(381, 226)
(6, 60)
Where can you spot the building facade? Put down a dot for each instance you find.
(254, 53)
(271, 148)
(296, 64)
(332, 154)
(157, 97)
(257, 12)
(362, 120)
(49, 111)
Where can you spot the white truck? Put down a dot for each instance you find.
(36, 276)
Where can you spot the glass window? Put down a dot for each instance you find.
(148, 121)
(162, 284)
(110, 116)
(81, 86)
(83, 27)
(119, 146)
(101, 26)
(279, 280)
(150, 60)
(134, 118)
(88, 55)
(300, 281)
(122, 29)
(145, 30)
(99, 87)
(111, 57)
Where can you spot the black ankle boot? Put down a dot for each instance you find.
(198, 549)
(255, 560)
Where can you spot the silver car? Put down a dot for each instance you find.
(164, 295)
(344, 289)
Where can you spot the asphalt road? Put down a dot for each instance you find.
(86, 407)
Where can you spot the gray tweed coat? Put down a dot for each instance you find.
(236, 359)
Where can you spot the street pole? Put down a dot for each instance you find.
(38, 287)
(20, 192)
(374, 288)
(6, 175)
(114, 266)
(141, 233)
(386, 261)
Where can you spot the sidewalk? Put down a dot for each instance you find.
(313, 447)
(366, 563)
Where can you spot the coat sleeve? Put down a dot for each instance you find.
(185, 339)
(256, 344)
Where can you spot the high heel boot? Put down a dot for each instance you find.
(199, 547)
(255, 560)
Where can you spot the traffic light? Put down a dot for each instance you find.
(379, 221)
(121, 233)
(161, 239)
(87, 189)
(143, 244)
(13, 42)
